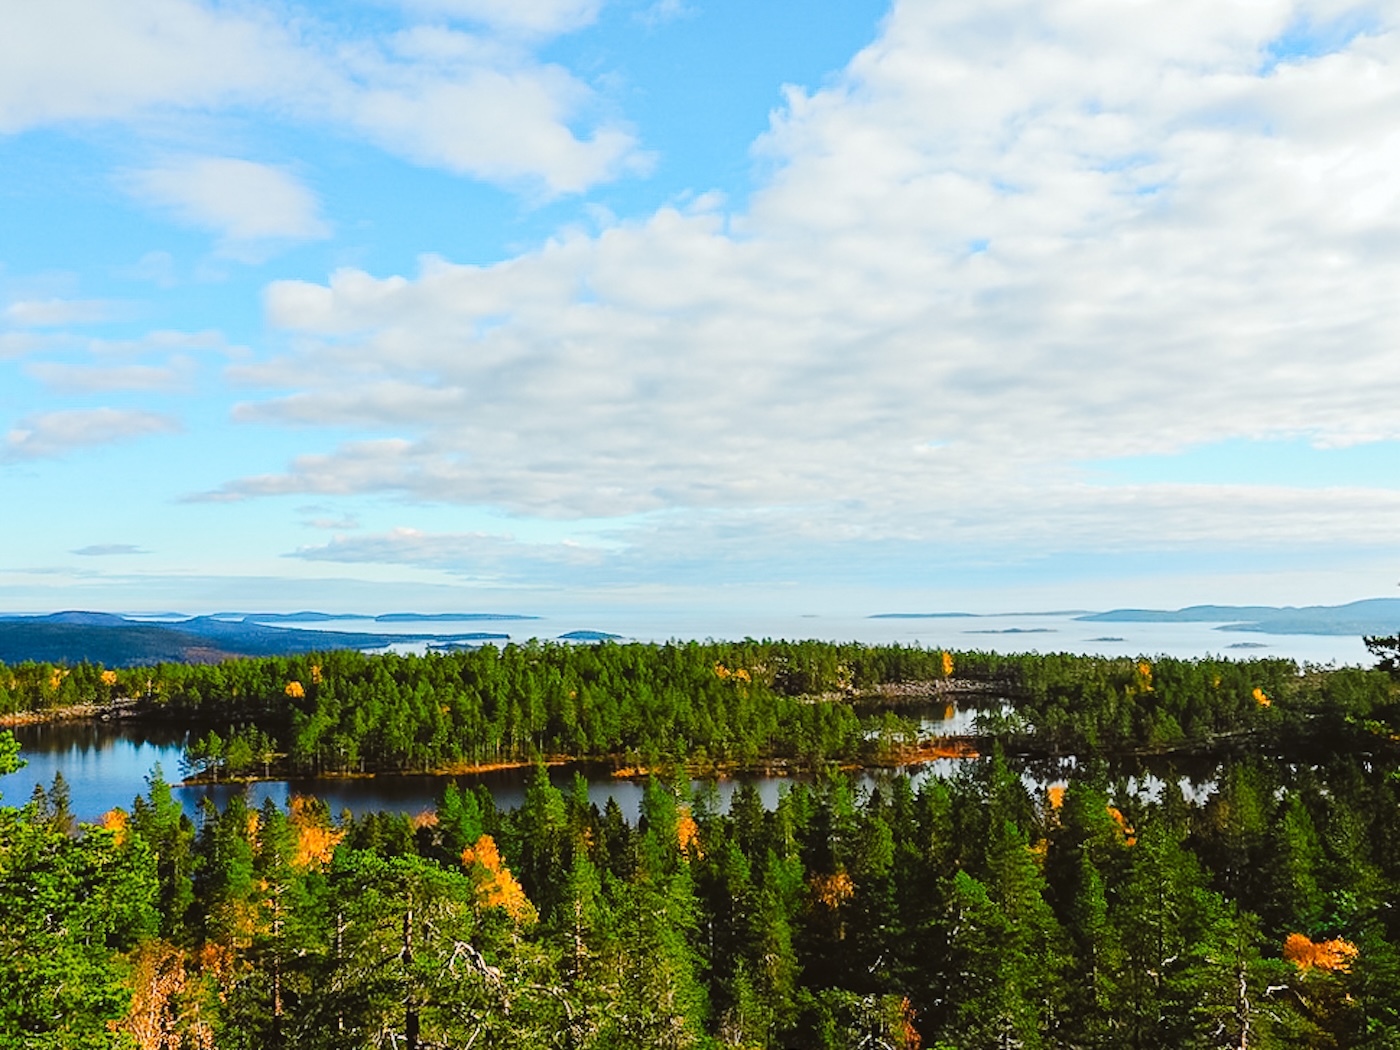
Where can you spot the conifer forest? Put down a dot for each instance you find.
(1149, 854)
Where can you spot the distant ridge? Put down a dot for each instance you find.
(309, 616)
(75, 636)
(1369, 616)
(113, 646)
(87, 619)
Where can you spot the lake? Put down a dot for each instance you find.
(106, 765)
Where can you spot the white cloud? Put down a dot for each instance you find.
(55, 313)
(663, 11)
(163, 360)
(710, 549)
(68, 60)
(107, 550)
(22, 344)
(503, 126)
(545, 17)
(343, 523)
(483, 105)
(1006, 240)
(474, 554)
(176, 374)
(243, 202)
(165, 340)
(52, 434)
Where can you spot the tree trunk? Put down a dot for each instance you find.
(410, 1007)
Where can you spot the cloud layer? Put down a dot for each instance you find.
(1009, 239)
(473, 102)
(53, 434)
(241, 201)
(989, 276)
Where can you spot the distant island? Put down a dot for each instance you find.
(1373, 616)
(923, 616)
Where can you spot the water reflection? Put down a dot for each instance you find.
(107, 764)
(104, 763)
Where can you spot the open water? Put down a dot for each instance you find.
(1004, 633)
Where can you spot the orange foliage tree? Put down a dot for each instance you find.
(1334, 956)
(496, 886)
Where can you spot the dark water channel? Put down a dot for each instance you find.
(106, 764)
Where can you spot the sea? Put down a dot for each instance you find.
(1037, 632)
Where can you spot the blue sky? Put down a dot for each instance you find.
(817, 307)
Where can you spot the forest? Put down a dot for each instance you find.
(1251, 908)
(727, 705)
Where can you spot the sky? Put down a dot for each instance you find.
(801, 307)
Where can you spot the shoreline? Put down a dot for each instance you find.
(718, 771)
(119, 710)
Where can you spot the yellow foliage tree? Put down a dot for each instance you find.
(1124, 828)
(687, 832)
(156, 978)
(316, 839)
(1144, 676)
(496, 886)
(1334, 956)
(116, 821)
(832, 891)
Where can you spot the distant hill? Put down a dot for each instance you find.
(401, 617)
(119, 641)
(126, 645)
(1371, 616)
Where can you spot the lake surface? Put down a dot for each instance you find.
(107, 765)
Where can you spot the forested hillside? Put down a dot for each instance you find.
(966, 912)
